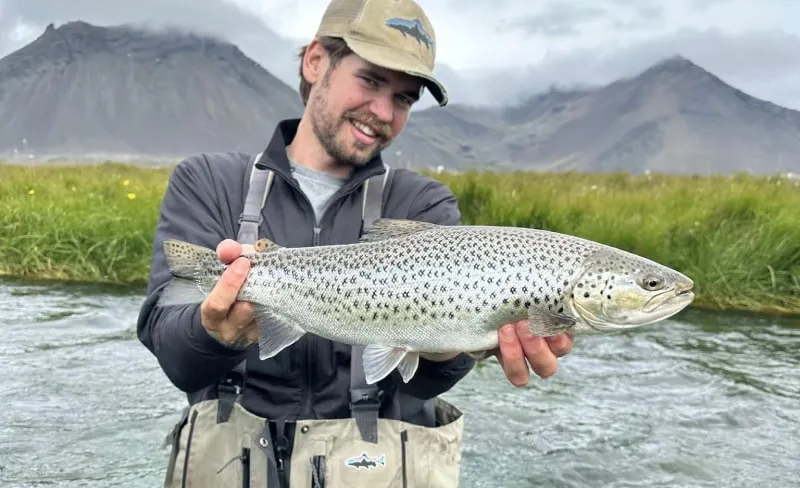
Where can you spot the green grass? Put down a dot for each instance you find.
(737, 236)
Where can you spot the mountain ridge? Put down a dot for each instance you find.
(146, 93)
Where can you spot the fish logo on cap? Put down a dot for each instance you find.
(411, 28)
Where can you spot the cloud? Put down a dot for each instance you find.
(220, 18)
(761, 63)
(488, 51)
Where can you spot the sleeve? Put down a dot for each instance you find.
(188, 355)
(438, 205)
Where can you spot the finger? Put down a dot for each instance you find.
(542, 360)
(228, 250)
(218, 303)
(240, 316)
(252, 331)
(511, 356)
(561, 344)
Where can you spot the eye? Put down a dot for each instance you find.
(369, 81)
(405, 100)
(652, 283)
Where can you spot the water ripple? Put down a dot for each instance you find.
(703, 400)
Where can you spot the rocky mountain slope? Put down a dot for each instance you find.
(82, 89)
(674, 117)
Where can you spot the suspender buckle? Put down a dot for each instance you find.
(255, 218)
(228, 390)
(365, 397)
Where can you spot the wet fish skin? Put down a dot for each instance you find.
(410, 287)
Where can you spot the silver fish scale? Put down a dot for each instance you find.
(442, 289)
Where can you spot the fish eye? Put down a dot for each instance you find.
(652, 283)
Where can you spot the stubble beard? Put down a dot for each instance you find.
(326, 126)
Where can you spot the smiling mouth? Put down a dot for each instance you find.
(366, 129)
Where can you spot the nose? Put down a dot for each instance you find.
(383, 108)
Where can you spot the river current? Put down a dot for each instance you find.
(702, 400)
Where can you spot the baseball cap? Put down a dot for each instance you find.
(393, 34)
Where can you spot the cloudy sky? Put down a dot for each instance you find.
(521, 45)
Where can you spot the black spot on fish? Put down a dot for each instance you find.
(586, 295)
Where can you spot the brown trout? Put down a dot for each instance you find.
(408, 287)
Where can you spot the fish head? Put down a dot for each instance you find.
(619, 290)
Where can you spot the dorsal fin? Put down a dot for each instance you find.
(384, 228)
(265, 245)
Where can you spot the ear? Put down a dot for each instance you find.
(315, 62)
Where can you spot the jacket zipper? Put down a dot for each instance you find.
(312, 342)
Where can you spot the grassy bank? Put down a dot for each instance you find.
(738, 238)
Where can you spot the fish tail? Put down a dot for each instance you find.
(194, 270)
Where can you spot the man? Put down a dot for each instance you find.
(360, 76)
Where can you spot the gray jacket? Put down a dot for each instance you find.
(310, 379)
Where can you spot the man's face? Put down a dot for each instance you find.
(357, 109)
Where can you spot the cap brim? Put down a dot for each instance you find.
(399, 61)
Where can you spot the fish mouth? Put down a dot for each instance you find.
(674, 297)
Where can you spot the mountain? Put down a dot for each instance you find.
(121, 90)
(674, 117)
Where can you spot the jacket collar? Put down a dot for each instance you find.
(275, 158)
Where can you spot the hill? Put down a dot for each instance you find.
(81, 89)
(674, 117)
(113, 91)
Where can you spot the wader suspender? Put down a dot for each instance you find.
(364, 399)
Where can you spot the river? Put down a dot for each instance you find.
(707, 399)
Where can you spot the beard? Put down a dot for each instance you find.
(327, 126)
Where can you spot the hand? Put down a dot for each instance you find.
(227, 320)
(518, 347)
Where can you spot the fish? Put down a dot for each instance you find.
(408, 287)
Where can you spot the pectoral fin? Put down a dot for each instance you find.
(545, 323)
(275, 332)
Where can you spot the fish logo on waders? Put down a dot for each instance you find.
(366, 462)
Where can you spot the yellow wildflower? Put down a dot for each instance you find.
(131, 196)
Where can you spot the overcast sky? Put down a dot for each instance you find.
(521, 45)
